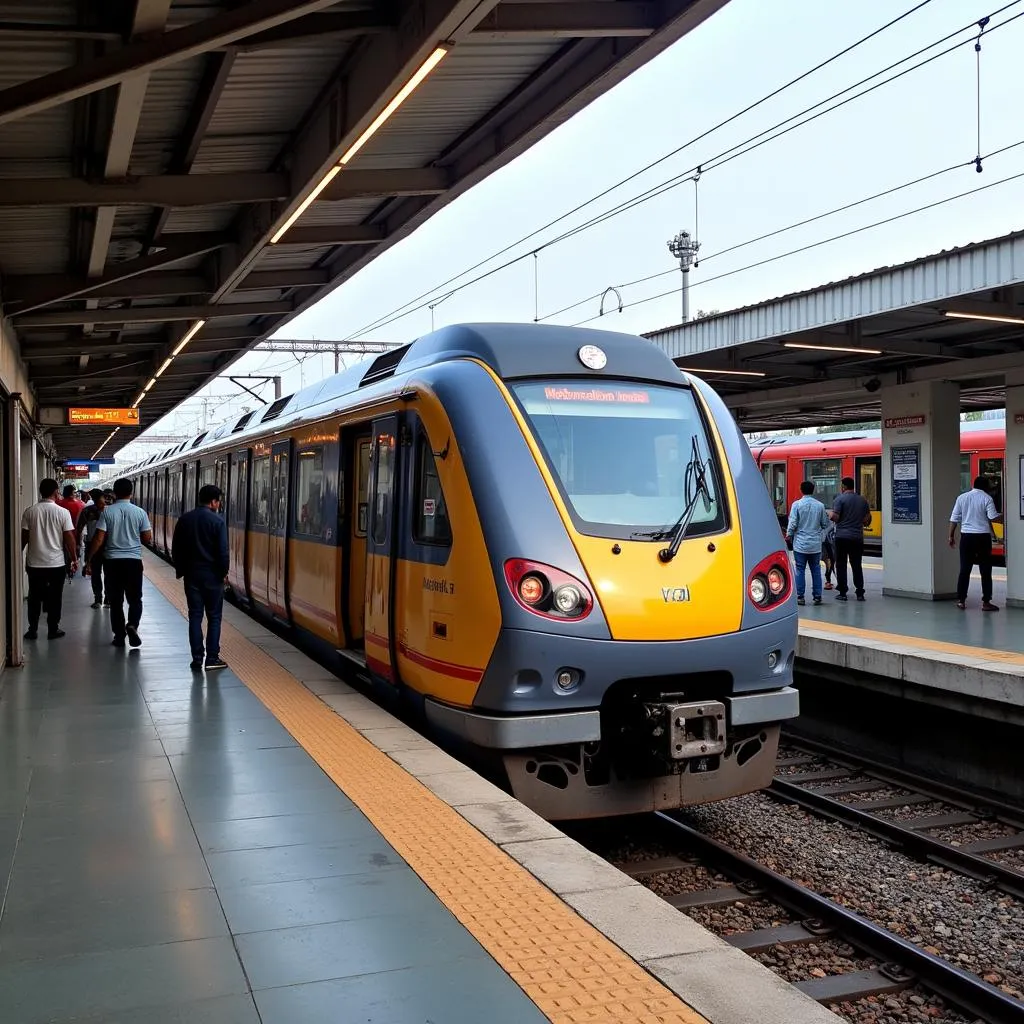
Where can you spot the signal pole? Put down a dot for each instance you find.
(684, 248)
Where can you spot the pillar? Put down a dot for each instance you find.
(920, 482)
(1013, 501)
(29, 473)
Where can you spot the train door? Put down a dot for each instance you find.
(868, 474)
(257, 548)
(238, 522)
(356, 448)
(774, 474)
(277, 556)
(991, 467)
(380, 548)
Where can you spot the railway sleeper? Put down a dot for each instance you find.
(796, 934)
(840, 988)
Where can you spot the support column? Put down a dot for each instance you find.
(920, 482)
(29, 479)
(1013, 503)
(14, 575)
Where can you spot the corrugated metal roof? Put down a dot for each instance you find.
(930, 279)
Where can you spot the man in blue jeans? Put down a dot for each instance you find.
(199, 550)
(808, 522)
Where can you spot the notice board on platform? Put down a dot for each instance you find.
(905, 460)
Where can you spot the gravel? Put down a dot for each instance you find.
(912, 1004)
(901, 814)
(1013, 858)
(814, 960)
(746, 916)
(948, 914)
(961, 835)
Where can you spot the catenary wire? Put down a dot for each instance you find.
(666, 156)
(813, 245)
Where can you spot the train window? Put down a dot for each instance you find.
(430, 517)
(189, 500)
(362, 486)
(174, 491)
(384, 469)
(868, 484)
(207, 475)
(627, 456)
(992, 470)
(260, 499)
(965, 473)
(774, 474)
(309, 492)
(826, 475)
(239, 488)
(279, 492)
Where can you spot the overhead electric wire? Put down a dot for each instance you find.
(791, 227)
(814, 245)
(667, 156)
(726, 156)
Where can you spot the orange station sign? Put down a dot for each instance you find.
(103, 417)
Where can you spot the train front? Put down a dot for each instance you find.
(648, 624)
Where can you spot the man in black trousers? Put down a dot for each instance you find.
(199, 550)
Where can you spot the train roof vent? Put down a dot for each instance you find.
(384, 366)
(240, 425)
(199, 440)
(275, 408)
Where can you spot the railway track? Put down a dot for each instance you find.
(888, 963)
(826, 777)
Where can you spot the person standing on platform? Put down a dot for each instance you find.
(124, 528)
(975, 512)
(199, 551)
(73, 504)
(808, 521)
(851, 513)
(49, 534)
(87, 526)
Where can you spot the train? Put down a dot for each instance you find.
(548, 545)
(825, 459)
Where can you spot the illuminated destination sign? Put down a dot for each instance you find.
(103, 417)
(81, 466)
(569, 394)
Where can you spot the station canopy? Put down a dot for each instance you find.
(822, 356)
(159, 161)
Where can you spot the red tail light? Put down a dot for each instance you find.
(545, 590)
(770, 582)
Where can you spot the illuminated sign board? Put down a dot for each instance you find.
(104, 417)
(81, 466)
(573, 394)
(76, 473)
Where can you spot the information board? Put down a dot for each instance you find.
(103, 417)
(905, 460)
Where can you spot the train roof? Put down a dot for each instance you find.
(969, 427)
(510, 350)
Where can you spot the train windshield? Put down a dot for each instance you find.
(629, 457)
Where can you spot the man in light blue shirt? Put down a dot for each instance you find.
(808, 522)
(125, 528)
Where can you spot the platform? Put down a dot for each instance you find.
(930, 645)
(268, 845)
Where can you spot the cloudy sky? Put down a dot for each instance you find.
(923, 122)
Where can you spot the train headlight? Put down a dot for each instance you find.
(770, 581)
(776, 581)
(758, 590)
(532, 589)
(568, 599)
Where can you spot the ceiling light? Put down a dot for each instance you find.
(985, 316)
(105, 443)
(166, 363)
(834, 348)
(189, 335)
(731, 373)
(152, 381)
(401, 96)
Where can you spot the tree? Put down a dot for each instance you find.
(973, 417)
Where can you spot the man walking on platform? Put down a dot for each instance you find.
(975, 512)
(199, 551)
(125, 528)
(87, 526)
(48, 533)
(851, 513)
(808, 520)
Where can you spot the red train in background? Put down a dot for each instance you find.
(826, 458)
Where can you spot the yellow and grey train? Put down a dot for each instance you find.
(549, 543)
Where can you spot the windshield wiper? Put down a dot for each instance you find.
(699, 470)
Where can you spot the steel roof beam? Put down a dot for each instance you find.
(340, 24)
(39, 30)
(150, 314)
(262, 279)
(32, 291)
(150, 53)
(323, 234)
(181, 190)
(573, 20)
(142, 286)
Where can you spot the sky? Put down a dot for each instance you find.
(924, 122)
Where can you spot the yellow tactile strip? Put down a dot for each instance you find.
(572, 972)
(912, 643)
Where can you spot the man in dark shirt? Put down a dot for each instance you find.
(851, 513)
(199, 550)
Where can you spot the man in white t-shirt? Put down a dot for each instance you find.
(49, 534)
(975, 512)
